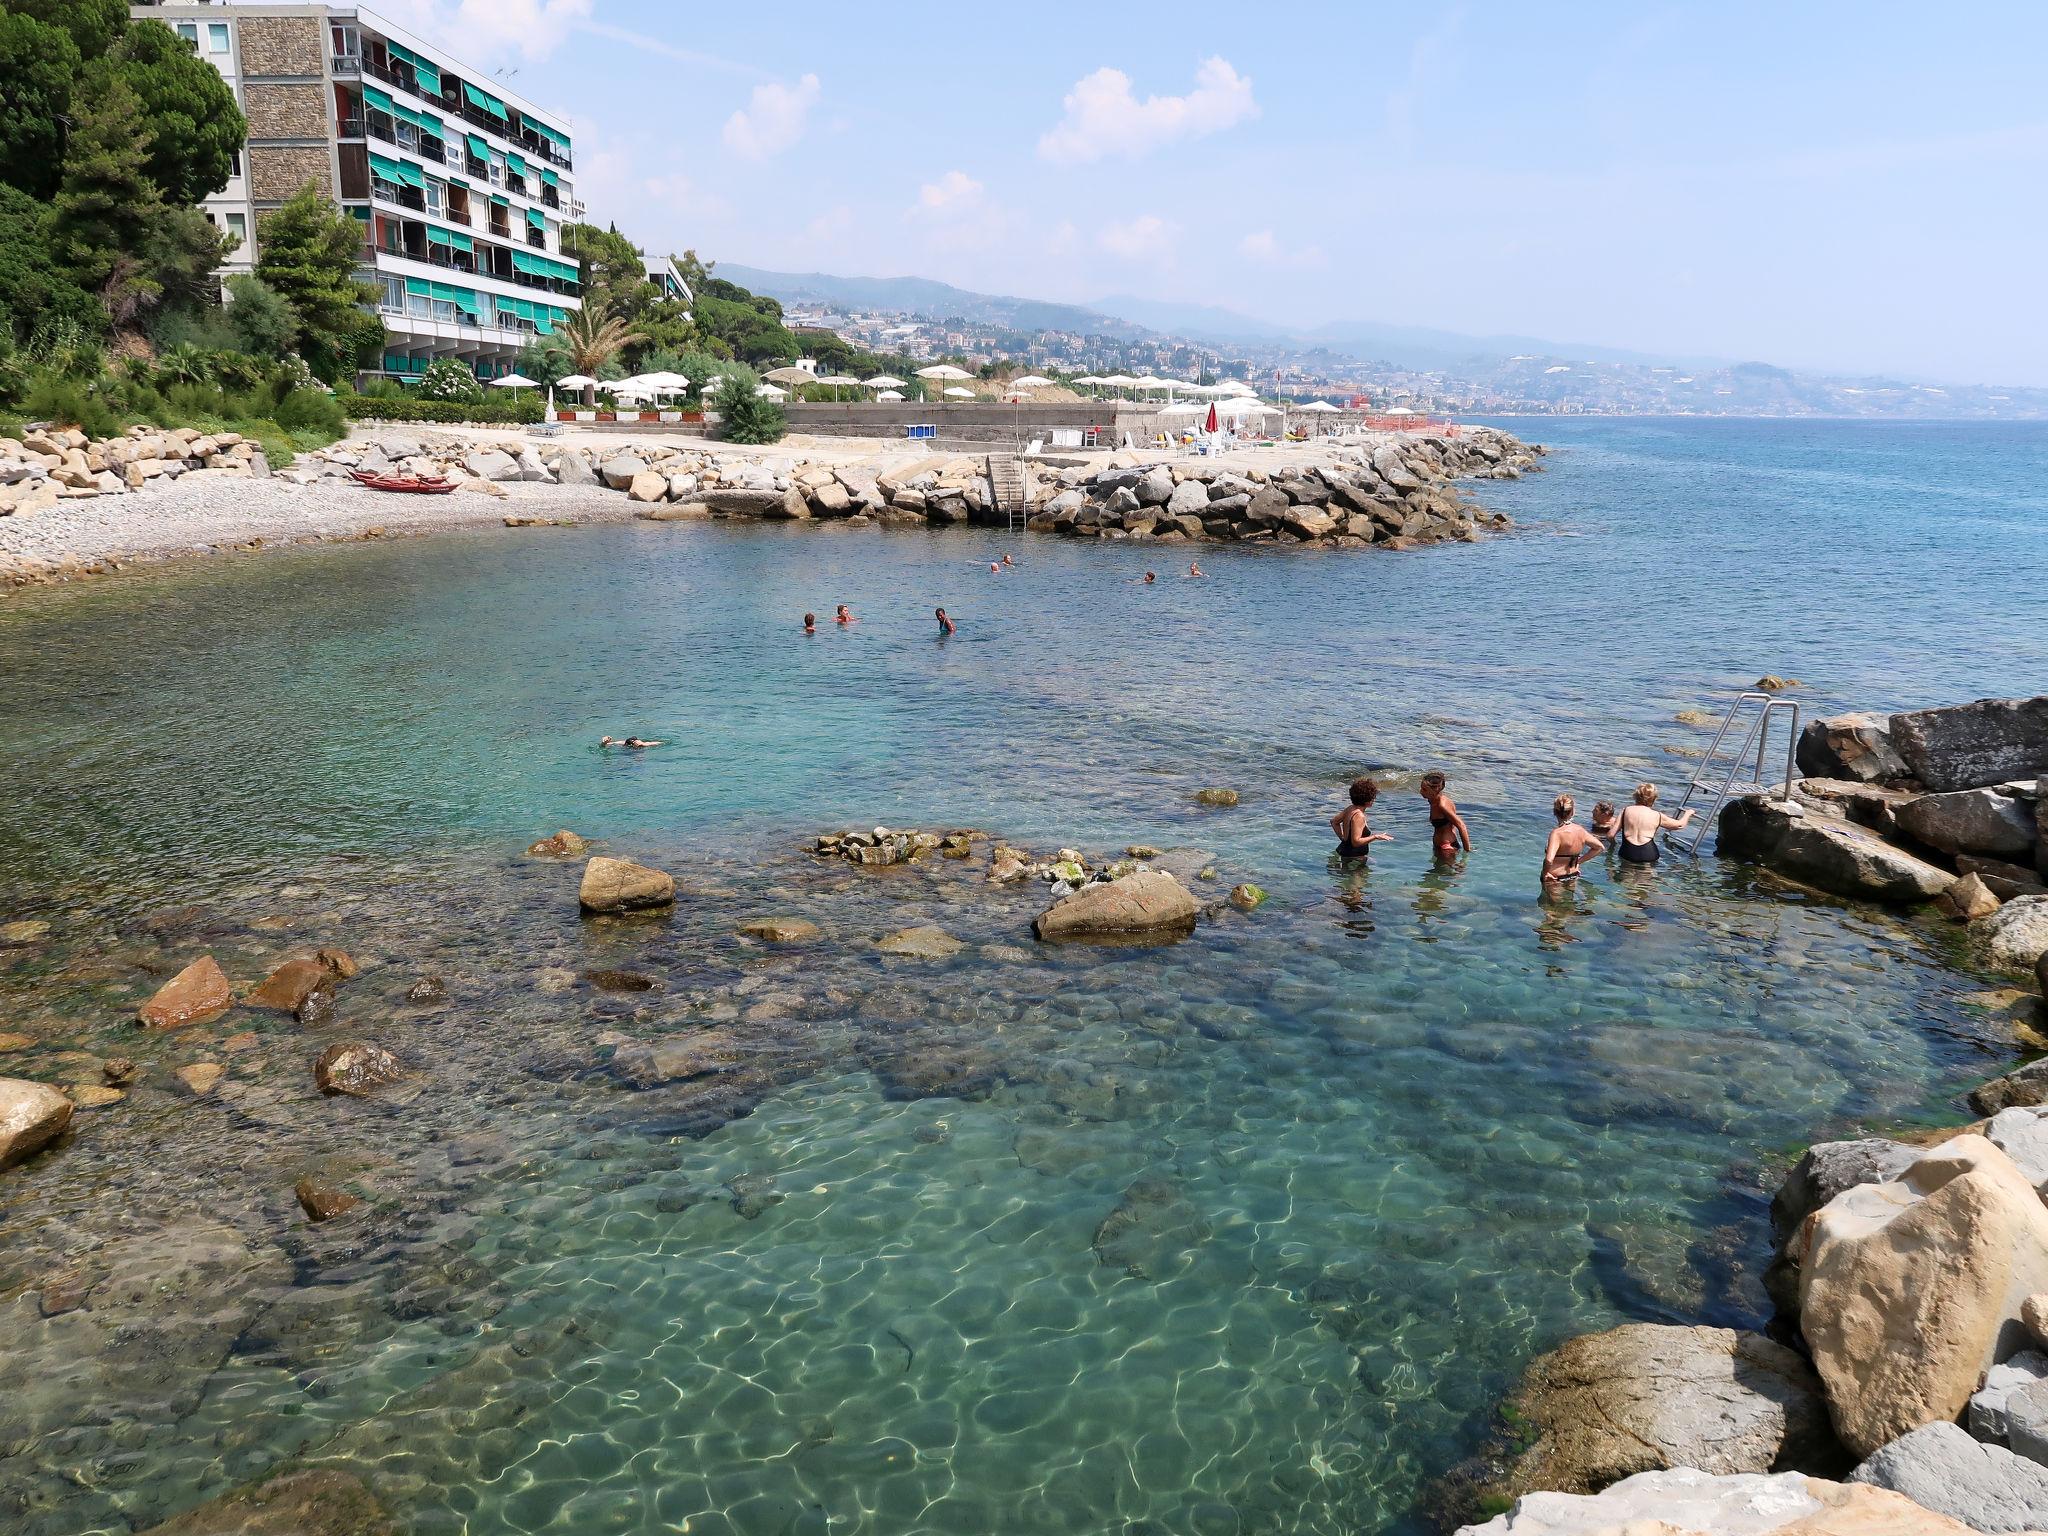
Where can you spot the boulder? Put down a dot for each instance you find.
(619, 470)
(1971, 745)
(1688, 1502)
(920, 943)
(620, 885)
(1216, 797)
(287, 986)
(2003, 880)
(1824, 850)
(319, 1502)
(532, 469)
(197, 994)
(2021, 1087)
(340, 962)
(1988, 1418)
(572, 468)
(1306, 522)
(1856, 747)
(32, 1115)
(744, 501)
(1190, 497)
(648, 485)
(832, 498)
(1967, 899)
(2016, 935)
(491, 464)
(1971, 821)
(355, 1068)
(1910, 1290)
(1939, 1467)
(1388, 464)
(562, 845)
(1823, 1172)
(2026, 1418)
(1148, 904)
(323, 1202)
(780, 930)
(1644, 1396)
(1154, 488)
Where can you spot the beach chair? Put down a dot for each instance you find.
(1034, 448)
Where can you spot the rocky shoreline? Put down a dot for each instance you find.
(1908, 1354)
(72, 506)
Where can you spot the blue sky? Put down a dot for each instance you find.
(1855, 188)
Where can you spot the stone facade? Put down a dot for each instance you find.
(283, 45)
(286, 111)
(276, 172)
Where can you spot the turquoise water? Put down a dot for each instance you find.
(1248, 1234)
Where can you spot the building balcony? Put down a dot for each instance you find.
(344, 66)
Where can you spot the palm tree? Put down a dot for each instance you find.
(593, 337)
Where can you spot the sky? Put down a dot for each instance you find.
(1833, 187)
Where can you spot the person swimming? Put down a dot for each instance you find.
(810, 623)
(945, 624)
(1150, 577)
(1447, 829)
(1008, 561)
(995, 568)
(1194, 568)
(1569, 846)
(1355, 836)
(1639, 825)
(844, 616)
(630, 743)
(1605, 822)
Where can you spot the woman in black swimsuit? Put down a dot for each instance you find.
(1640, 824)
(1354, 837)
(1447, 830)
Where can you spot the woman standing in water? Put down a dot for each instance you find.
(1569, 846)
(1640, 824)
(1354, 837)
(1447, 830)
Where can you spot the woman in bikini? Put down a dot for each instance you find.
(1447, 830)
(1636, 841)
(1569, 846)
(1354, 837)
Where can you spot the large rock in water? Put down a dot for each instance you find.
(1826, 851)
(1971, 821)
(1971, 745)
(744, 501)
(320, 1502)
(1688, 1502)
(290, 984)
(620, 885)
(32, 1115)
(1855, 747)
(1147, 905)
(1644, 1397)
(2016, 935)
(356, 1068)
(1823, 1172)
(197, 994)
(1939, 1467)
(1910, 1290)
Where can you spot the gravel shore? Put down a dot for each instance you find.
(175, 520)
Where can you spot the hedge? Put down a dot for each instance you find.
(450, 412)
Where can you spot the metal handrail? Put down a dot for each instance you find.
(1758, 737)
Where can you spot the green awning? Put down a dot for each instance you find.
(457, 181)
(478, 147)
(379, 99)
(550, 178)
(517, 161)
(411, 174)
(439, 236)
(390, 170)
(461, 242)
(429, 75)
(537, 219)
(532, 266)
(483, 101)
(501, 200)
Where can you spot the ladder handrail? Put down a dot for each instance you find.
(1758, 734)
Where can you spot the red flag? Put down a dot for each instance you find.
(1210, 425)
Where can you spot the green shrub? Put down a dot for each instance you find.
(203, 328)
(448, 379)
(411, 408)
(65, 402)
(312, 410)
(746, 417)
(187, 402)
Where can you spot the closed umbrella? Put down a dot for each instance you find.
(1210, 424)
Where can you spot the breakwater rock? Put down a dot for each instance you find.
(45, 466)
(1394, 489)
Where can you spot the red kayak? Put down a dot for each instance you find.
(424, 485)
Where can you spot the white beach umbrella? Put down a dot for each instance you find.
(883, 381)
(789, 373)
(890, 394)
(1089, 378)
(770, 392)
(1117, 381)
(514, 381)
(1319, 405)
(836, 380)
(957, 393)
(1030, 381)
(1182, 408)
(569, 381)
(943, 372)
(1400, 410)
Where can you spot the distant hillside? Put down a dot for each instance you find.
(924, 296)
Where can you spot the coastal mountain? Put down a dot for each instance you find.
(925, 296)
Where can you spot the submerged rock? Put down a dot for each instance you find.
(1939, 1467)
(196, 995)
(323, 1202)
(24, 930)
(1689, 1502)
(428, 989)
(288, 986)
(920, 943)
(780, 930)
(620, 885)
(340, 962)
(1151, 1231)
(1216, 797)
(562, 845)
(200, 1077)
(1645, 1397)
(356, 1068)
(303, 1503)
(1147, 905)
(32, 1115)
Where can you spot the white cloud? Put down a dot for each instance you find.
(773, 118)
(1145, 238)
(1103, 117)
(491, 29)
(1264, 246)
(951, 192)
(677, 194)
(640, 42)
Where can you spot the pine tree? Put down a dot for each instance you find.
(106, 204)
(307, 251)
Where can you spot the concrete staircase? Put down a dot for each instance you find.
(1009, 488)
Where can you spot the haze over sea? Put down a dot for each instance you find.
(1244, 1235)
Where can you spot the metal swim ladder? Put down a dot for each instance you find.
(1715, 777)
(1007, 486)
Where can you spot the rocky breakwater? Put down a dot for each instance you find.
(1395, 491)
(1933, 805)
(53, 464)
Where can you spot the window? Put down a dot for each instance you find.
(433, 195)
(234, 162)
(238, 226)
(189, 30)
(216, 37)
(394, 295)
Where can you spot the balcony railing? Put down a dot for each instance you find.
(466, 264)
(549, 197)
(345, 64)
(452, 100)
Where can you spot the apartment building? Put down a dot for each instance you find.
(461, 186)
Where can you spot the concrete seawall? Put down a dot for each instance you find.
(977, 421)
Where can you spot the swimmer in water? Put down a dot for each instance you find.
(630, 743)
(1150, 577)
(1008, 561)
(1354, 837)
(1569, 846)
(945, 624)
(1194, 567)
(1605, 822)
(994, 569)
(1447, 829)
(844, 616)
(810, 623)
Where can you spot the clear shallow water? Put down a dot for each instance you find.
(1245, 1235)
